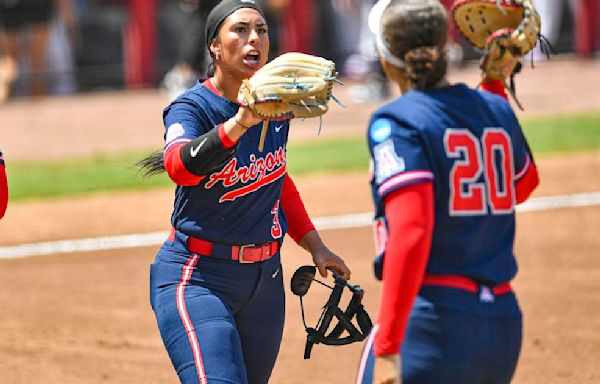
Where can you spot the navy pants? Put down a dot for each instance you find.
(220, 321)
(453, 337)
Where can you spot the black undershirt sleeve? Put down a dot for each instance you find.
(205, 153)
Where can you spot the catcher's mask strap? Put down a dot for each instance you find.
(301, 281)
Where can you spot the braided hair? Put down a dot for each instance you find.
(416, 31)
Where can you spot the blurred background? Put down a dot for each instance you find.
(61, 47)
(83, 84)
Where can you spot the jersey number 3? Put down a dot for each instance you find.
(276, 227)
(491, 156)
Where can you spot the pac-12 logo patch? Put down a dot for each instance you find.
(380, 130)
(387, 162)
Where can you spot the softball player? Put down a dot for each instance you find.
(216, 284)
(3, 187)
(449, 165)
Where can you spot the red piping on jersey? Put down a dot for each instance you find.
(186, 275)
(410, 215)
(176, 169)
(3, 189)
(495, 86)
(209, 84)
(299, 223)
(464, 283)
(527, 181)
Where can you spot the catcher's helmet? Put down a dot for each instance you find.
(301, 281)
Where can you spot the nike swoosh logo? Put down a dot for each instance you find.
(278, 128)
(194, 151)
(275, 274)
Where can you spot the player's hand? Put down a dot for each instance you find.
(247, 117)
(388, 370)
(325, 260)
(322, 257)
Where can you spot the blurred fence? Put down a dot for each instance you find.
(114, 48)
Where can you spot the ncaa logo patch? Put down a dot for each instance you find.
(173, 132)
(380, 130)
(387, 162)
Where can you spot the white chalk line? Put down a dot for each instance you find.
(356, 220)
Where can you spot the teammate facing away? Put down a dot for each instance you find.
(216, 284)
(449, 165)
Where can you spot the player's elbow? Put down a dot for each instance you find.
(527, 184)
(176, 169)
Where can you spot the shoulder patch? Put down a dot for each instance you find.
(387, 162)
(381, 129)
(174, 131)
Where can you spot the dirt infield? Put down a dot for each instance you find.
(85, 318)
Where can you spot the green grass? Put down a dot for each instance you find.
(29, 180)
(319, 156)
(571, 133)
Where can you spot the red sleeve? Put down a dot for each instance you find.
(409, 212)
(3, 190)
(526, 181)
(175, 168)
(227, 142)
(299, 224)
(495, 86)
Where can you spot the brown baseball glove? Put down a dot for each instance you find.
(293, 85)
(506, 30)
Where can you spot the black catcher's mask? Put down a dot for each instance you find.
(301, 281)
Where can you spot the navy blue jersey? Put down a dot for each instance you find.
(238, 202)
(469, 144)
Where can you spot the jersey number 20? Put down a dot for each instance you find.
(491, 156)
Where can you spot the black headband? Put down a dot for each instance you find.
(221, 11)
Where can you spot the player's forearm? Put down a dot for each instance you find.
(410, 217)
(312, 242)
(239, 124)
(203, 154)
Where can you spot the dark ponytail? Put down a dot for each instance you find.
(425, 66)
(151, 165)
(416, 31)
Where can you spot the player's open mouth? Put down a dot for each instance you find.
(252, 58)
